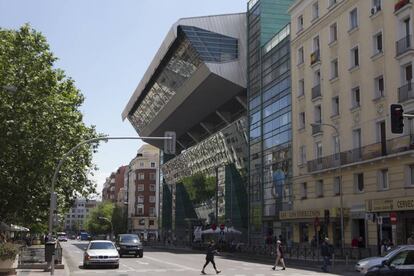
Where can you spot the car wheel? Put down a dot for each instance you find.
(116, 266)
(85, 266)
(120, 255)
(141, 255)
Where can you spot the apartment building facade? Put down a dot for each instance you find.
(350, 61)
(143, 193)
(77, 214)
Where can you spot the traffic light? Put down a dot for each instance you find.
(397, 118)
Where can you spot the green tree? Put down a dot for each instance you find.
(119, 220)
(200, 187)
(97, 226)
(40, 120)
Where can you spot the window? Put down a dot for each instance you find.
(142, 221)
(140, 210)
(300, 56)
(334, 68)
(383, 179)
(140, 187)
(302, 155)
(152, 176)
(152, 199)
(302, 121)
(359, 182)
(410, 176)
(140, 199)
(141, 176)
(151, 222)
(152, 187)
(354, 57)
(377, 39)
(335, 106)
(318, 114)
(316, 45)
(337, 186)
(141, 164)
(333, 30)
(300, 23)
(379, 87)
(152, 164)
(315, 10)
(376, 6)
(403, 260)
(356, 97)
(353, 19)
(301, 87)
(331, 3)
(317, 77)
(152, 211)
(335, 141)
(319, 188)
(303, 190)
(356, 134)
(318, 150)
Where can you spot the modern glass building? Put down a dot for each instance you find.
(269, 111)
(196, 86)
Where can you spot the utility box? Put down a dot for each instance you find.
(49, 251)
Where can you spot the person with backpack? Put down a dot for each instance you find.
(326, 252)
(211, 251)
(279, 256)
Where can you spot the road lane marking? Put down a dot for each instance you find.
(164, 262)
(143, 263)
(130, 268)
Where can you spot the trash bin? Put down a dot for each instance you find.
(49, 251)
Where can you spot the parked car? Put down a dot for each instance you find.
(62, 237)
(101, 253)
(401, 264)
(129, 244)
(364, 265)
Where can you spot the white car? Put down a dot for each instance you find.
(101, 253)
(364, 265)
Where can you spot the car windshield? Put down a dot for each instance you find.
(102, 245)
(130, 239)
(391, 252)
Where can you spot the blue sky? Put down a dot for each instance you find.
(106, 46)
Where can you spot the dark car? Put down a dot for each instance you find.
(402, 264)
(129, 244)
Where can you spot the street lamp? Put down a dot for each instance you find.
(110, 222)
(340, 181)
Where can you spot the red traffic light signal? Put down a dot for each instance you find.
(397, 118)
(222, 227)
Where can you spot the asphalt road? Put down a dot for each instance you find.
(163, 263)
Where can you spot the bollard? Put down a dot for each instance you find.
(346, 259)
(52, 268)
(333, 261)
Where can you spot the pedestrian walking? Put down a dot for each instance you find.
(326, 252)
(211, 251)
(279, 256)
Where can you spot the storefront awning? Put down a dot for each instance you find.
(17, 228)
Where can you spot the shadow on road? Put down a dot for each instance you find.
(81, 246)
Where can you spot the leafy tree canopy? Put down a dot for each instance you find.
(40, 120)
(199, 187)
(98, 226)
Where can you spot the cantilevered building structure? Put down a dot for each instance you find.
(196, 86)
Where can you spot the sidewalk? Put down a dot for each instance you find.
(38, 272)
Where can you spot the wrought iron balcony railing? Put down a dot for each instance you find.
(392, 146)
(403, 45)
(406, 92)
(316, 91)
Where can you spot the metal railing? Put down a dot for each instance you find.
(396, 145)
(316, 91)
(405, 92)
(316, 128)
(36, 255)
(403, 45)
(315, 57)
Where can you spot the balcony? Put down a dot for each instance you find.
(315, 57)
(316, 91)
(405, 92)
(316, 129)
(396, 145)
(400, 4)
(403, 45)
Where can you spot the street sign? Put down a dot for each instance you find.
(393, 218)
(169, 144)
(379, 220)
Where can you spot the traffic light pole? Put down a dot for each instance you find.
(65, 156)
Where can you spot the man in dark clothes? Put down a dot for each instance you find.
(211, 250)
(326, 252)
